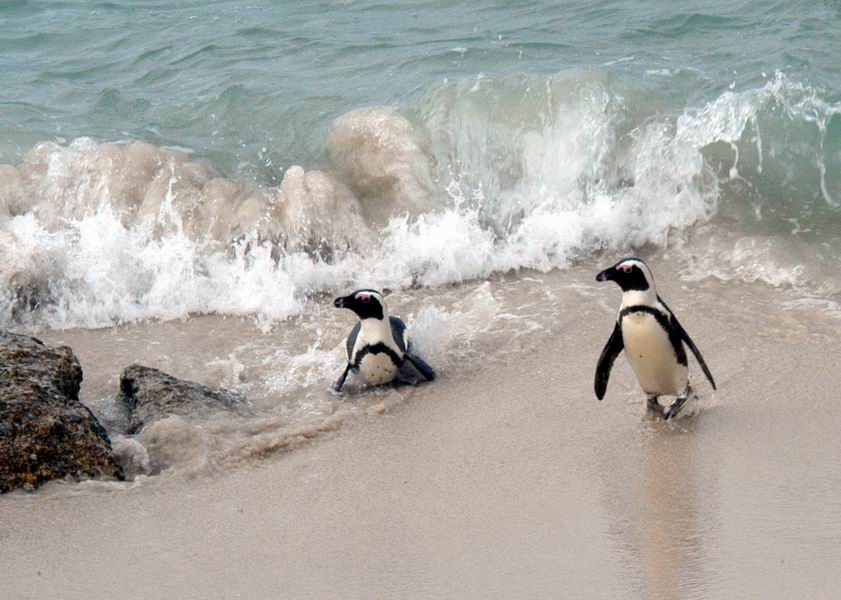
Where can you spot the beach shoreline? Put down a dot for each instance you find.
(510, 480)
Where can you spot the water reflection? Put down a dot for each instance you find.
(660, 511)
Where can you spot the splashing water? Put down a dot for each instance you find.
(495, 174)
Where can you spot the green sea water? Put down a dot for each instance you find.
(249, 84)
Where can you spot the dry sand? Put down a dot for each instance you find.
(511, 481)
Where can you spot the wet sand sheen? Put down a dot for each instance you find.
(507, 480)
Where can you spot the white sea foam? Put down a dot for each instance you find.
(526, 172)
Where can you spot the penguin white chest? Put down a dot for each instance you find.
(652, 356)
(377, 368)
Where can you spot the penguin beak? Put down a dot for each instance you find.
(341, 302)
(607, 275)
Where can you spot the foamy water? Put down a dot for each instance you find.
(482, 176)
(285, 374)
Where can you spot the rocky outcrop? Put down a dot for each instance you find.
(149, 394)
(46, 433)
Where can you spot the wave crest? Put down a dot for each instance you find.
(476, 176)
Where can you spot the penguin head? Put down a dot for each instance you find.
(366, 303)
(631, 274)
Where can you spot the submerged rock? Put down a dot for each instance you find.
(149, 395)
(46, 432)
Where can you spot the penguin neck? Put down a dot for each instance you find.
(378, 328)
(639, 297)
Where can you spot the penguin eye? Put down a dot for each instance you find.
(627, 268)
(365, 298)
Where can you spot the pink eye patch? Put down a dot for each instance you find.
(364, 296)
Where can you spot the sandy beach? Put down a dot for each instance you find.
(503, 480)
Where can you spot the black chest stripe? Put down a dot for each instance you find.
(378, 348)
(665, 323)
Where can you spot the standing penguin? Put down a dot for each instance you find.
(376, 348)
(652, 338)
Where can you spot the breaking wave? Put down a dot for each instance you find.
(471, 177)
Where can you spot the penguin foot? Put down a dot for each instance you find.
(675, 408)
(654, 407)
(399, 382)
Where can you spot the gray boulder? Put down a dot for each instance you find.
(149, 394)
(46, 432)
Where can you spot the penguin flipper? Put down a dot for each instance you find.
(700, 358)
(398, 332)
(423, 368)
(688, 341)
(341, 382)
(351, 339)
(615, 345)
(675, 324)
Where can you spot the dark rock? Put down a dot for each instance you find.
(46, 433)
(149, 395)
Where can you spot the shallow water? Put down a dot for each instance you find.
(506, 477)
(286, 373)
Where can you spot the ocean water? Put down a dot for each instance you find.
(169, 166)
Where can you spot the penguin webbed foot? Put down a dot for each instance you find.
(402, 381)
(421, 366)
(679, 402)
(654, 407)
(675, 408)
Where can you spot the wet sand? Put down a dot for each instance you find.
(504, 480)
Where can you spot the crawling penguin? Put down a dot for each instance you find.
(376, 346)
